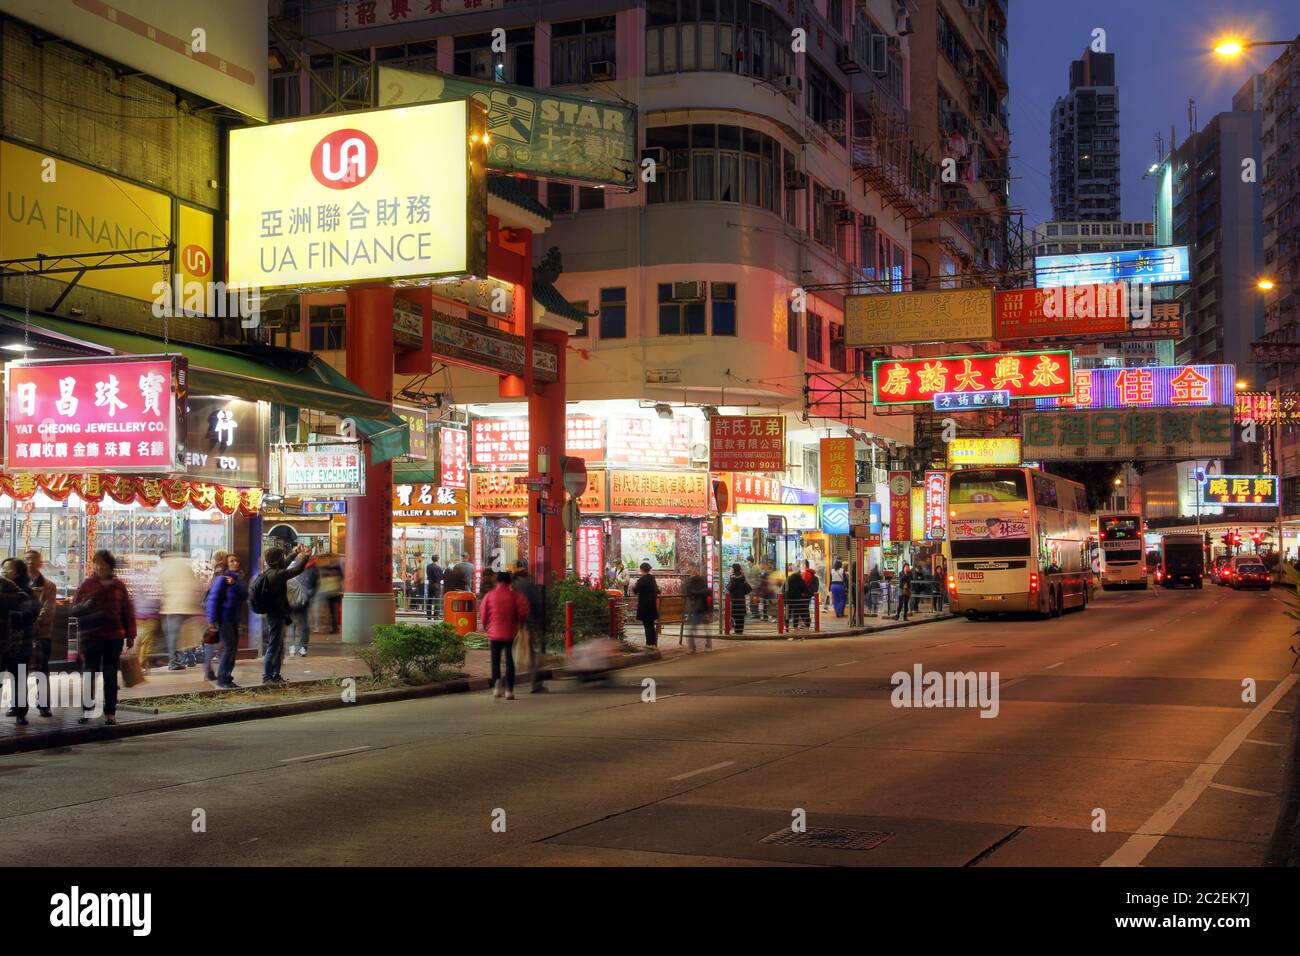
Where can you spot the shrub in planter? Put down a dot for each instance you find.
(405, 650)
(590, 611)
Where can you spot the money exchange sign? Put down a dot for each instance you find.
(747, 443)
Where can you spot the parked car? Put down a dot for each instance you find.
(1248, 571)
(1219, 573)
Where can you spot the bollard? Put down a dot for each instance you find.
(613, 619)
(817, 614)
(726, 612)
(568, 627)
(780, 614)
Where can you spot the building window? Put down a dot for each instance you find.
(730, 36)
(791, 327)
(724, 308)
(576, 45)
(716, 163)
(559, 197)
(814, 324)
(590, 197)
(823, 216)
(681, 309)
(825, 103)
(327, 328)
(613, 313)
(839, 357)
(473, 57)
(791, 195)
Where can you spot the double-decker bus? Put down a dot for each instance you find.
(1123, 553)
(1017, 541)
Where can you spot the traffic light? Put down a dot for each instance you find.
(1257, 536)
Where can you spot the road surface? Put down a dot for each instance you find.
(1127, 717)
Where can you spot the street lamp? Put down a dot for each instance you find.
(1231, 48)
(1241, 385)
(1265, 285)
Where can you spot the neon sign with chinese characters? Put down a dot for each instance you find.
(1254, 490)
(1021, 374)
(1155, 386)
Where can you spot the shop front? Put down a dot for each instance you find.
(428, 521)
(657, 518)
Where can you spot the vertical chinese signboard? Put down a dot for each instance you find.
(747, 443)
(453, 448)
(838, 479)
(591, 558)
(900, 506)
(936, 504)
(115, 415)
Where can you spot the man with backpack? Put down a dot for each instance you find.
(301, 592)
(268, 596)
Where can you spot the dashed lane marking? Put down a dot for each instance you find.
(696, 773)
(328, 753)
(1243, 790)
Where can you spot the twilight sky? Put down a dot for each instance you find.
(1162, 57)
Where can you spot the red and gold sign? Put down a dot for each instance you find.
(453, 452)
(177, 493)
(498, 493)
(659, 492)
(900, 506)
(1066, 310)
(1262, 408)
(747, 443)
(755, 489)
(1023, 374)
(838, 471)
(936, 505)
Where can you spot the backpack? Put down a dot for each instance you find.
(297, 592)
(259, 595)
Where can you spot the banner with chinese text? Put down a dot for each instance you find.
(453, 457)
(1066, 310)
(900, 506)
(1153, 386)
(1129, 434)
(936, 505)
(747, 443)
(838, 474)
(1254, 490)
(904, 318)
(659, 492)
(1023, 374)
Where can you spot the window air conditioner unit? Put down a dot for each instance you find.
(601, 70)
(837, 197)
(796, 179)
(903, 24)
(699, 453)
(845, 60)
(688, 291)
(869, 222)
(894, 43)
(835, 127)
(656, 153)
(846, 215)
(789, 85)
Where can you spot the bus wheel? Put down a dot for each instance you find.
(1083, 599)
(972, 616)
(1053, 603)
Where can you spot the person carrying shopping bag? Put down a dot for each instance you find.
(502, 613)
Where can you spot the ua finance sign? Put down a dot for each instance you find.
(387, 194)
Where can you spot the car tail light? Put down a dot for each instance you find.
(1033, 583)
(1160, 575)
(952, 584)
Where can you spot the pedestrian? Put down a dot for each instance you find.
(180, 602)
(807, 572)
(814, 584)
(739, 588)
(646, 590)
(940, 584)
(874, 584)
(46, 593)
(796, 599)
(459, 577)
(331, 588)
(765, 592)
(269, 596)
(20, 610)
(620, 577)
(696, 609)
(433, 575)
(753, 576)
(839, 587)
(301, 592)
(536, 623)
(905, 591)
(224, 605)
(106, 622)
(502, 612)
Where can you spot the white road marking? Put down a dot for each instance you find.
(328, 753)
(1138, 846)
(1057, 664)
(696, 773)
(246, 842)
(1247, 792)
(1278, 710)
(1262, 743)
(1116, 644)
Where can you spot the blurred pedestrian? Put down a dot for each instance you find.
(330, 590)
(646, 590)
(940, 584)
(536, 623)
(753, 574)
(224, 605)
(180, 602)
(739, 589)
(46, 593)
(459, 577)
(502, 612)
(301, 591)
(874, 584)
(839, 587)
(814, 584)
(696, 609)
(21, 611)
(796, 600)
(268, 595)
(106, 618)
(620, 577)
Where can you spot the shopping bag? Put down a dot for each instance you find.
(523, 649)
(211, 634)
(132, 672)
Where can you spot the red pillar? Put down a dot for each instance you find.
(368, 564)
(546, 430)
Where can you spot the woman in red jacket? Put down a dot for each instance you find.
(107, 619)
(503, 611)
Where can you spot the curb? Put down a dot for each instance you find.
(826, 635)
(67, 737)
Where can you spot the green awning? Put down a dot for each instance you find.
(286, 376)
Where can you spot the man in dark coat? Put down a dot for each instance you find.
(796, 599)
(646, 590)
(433, 575)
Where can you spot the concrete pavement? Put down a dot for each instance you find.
(1129, 713)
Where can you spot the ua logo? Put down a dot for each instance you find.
(196, 259)
(344, 158)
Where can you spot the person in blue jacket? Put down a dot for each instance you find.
(224, 605)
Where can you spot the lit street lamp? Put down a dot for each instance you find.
(1230, 48)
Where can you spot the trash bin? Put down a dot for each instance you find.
(460, 610)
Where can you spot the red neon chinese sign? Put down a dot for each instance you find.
(1023, 374)
(453, 458)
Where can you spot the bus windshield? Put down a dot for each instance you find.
(977, 486)
(1120, 529)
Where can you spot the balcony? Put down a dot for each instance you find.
(888, 161)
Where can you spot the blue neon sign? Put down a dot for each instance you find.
(1158, 266)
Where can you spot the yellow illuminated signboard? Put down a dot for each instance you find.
(983, 451)
(54, 207)
(388, 194)
(952, 315)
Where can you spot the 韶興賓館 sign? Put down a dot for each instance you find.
(119, 415)
(333, 200)
(1065, 310)
(1128, 434)
(325, 471)
(747, 443)
(1023, 374)
(903, 318)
